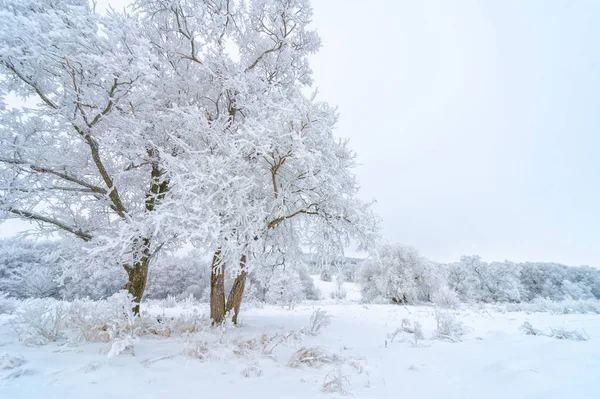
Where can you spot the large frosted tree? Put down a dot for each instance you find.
(277, 177)
(83, 152)
(179, 121)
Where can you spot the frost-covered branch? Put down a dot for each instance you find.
(44, 219)
(62, 175)
(31, 83)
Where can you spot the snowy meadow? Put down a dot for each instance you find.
(320, 348)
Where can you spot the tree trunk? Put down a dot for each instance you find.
(217, 289)
(138, 275)
(234, 300)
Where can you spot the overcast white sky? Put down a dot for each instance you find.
(476, 123)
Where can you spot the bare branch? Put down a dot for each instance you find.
(280, 219)
(260, 57)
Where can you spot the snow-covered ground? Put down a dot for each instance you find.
(358, 349)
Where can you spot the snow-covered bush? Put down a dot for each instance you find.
(318, 320)
(284, 288)
(197, 350)
(399, 274)
(310, 290)
(326, 275)
(349, 269)
(446, 298)
(340, 291)
(40, 321)
(6, 305)
(28, 268)
(448, 327)
(105, 320)
(411, 328)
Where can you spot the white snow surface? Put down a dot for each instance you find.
(494, 359)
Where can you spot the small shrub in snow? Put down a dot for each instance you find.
(246, 347)
(318, 320)
(326, 276)
(312, 357)
(573, 335)
(197, 350)
(40, 321)
(340, 291)
(8, 362)
(270, 342)
(528, 329)
(311, 292)
(558, 333)
(253, 370)
(336, 382)
(446, 298)
(6, 305)
(413, 328)
(105, 320)
(122, 345)
(448, 327)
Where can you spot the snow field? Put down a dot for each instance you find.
(364, 351)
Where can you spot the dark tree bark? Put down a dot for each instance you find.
(136, 285)
(138, 275)
(217, 289)
(234, 300)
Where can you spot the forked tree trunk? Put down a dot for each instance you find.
(234, 300)
(217, 289)
(138, 275)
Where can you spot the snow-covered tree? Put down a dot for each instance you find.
(543, 280)
(398, 274)
(276, 176)
(475, 280)
(181, 120)
(86, 159)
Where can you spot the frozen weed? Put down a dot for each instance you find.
(314, 356)
(197, 350)
(318, 320)
(448, 327)
(336, 382)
